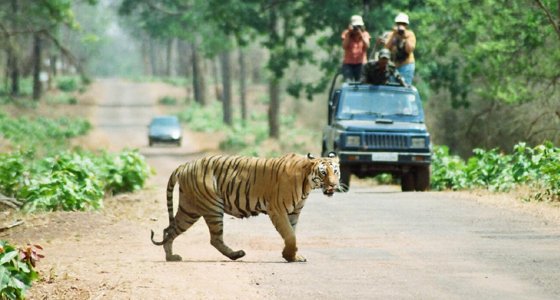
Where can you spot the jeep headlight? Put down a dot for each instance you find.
(418, 142)
(352, 141)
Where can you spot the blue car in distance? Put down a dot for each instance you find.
(165, 129)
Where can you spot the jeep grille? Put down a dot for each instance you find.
(381, 141)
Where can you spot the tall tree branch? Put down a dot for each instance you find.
(550, 17)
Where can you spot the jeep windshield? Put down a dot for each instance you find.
(374, 104)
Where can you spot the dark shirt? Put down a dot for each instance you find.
(372, 73)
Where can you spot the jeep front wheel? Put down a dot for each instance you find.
(407, 182)
(422, 178)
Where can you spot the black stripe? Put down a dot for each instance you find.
(189, 214)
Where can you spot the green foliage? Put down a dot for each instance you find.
(34, 133)
(125, 172)
(167, 100)
(12, 172)
(68, 83)
(537, 167)
(248, 139)
(60, 179)
(497, 50)
(68, 181)
(71, 180)
(17, 269)
(205, 119)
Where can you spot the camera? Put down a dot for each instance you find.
(400, 30)
(356, 27)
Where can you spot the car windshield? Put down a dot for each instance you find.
(364, 104)
(165, 121)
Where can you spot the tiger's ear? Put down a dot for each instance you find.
(310, 156)
(332, 154)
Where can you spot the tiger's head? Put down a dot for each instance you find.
(325, 173)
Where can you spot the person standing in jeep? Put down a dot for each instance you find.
(402, 42)
(355, 41)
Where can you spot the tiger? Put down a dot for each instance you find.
(243, 186)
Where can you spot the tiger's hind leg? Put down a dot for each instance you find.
(216, 226)
(183, 221)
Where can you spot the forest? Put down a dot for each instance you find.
(488, 70)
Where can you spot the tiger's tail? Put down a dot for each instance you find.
(170, 186)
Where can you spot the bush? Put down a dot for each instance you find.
(17, 269)
(167, 100)
(79, 180)
(67, 84)
(538, 168)
(35, 133)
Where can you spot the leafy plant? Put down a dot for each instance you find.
(167, 100)
(17, 269)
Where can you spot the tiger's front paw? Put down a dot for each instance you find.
(293, 257)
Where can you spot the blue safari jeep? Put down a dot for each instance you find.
(378, 129)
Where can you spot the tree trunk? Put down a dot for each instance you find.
(168, 57)
(13, 69)
(145, 50)
(13, 63)
(226, 82)
(216, 78)
(37, 84)
(274, 108)
(153, 57)
(274, 83)
(199, 84)
(242, 85)
(183, 59)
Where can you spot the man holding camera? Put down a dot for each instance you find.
(355, 41)
(402, 41)
(382, 70)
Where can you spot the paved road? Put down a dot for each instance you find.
(369, 243)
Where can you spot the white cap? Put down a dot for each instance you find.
(356, 21)
(402, 18)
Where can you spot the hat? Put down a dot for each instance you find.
(356, 21)
(384, 53)
(402, 18)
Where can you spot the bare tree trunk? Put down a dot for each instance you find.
(168, 57)
(274, 108)
(37, 49)
(226, 82)
(184, 59)
(153, 57)
(242, 85)
(13, 70)
(145, 49)
(216, 78)
(13, 63)
(199, 84)
(274, 83)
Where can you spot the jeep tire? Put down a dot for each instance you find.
(422, 178)
(407, 181)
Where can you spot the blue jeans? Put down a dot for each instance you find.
(352, 72)
(407, 72)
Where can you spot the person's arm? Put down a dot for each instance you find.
(365, 38)
(345, 38)
(410, 39)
